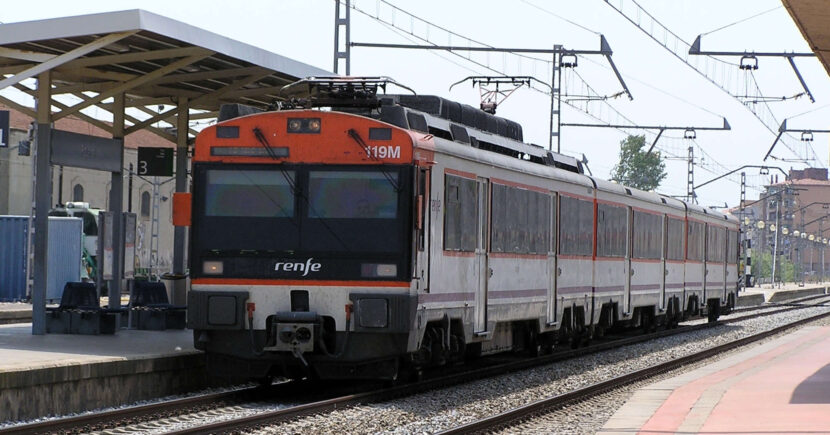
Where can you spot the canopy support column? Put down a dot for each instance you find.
(117, 207)
(43, 201)
(180, 233)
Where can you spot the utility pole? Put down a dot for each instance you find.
(744, 240)
(342, 23)
(690, 177)
(555, 100)
(775, 242)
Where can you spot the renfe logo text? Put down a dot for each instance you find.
(306, 267)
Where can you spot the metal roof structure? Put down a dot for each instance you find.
(813, 19)
(132, 64)
(151, 59)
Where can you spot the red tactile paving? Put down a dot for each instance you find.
(783, 390)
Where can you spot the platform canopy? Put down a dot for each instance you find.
(146, 70)
(813, 19)
(152, 60)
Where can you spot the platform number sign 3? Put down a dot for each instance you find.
(155, 162)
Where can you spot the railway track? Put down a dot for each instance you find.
(298, 391)
(517, 415)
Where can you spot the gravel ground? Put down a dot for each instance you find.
(588, 417)
(443, 409)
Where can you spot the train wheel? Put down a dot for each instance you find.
(713, 311)
(264, 382)
(566, 328)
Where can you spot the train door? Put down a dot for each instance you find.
(552, 271)
(482, 267)
(705, 259)
(422, 224)
(663, 270)
(627, 262)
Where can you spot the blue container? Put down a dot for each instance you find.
(65, 252)
(64, 257)
(13, 258)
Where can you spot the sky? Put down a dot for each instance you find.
(666, 91)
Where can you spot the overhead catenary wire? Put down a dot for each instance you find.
(679, 48)
(549, 12)
(409, 34)
(742, 20)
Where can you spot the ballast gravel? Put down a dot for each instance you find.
(443, 409)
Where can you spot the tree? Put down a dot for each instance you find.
(636, 168)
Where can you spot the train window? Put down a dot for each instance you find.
(674, 239)
(576, 226)
(460, 214)
(459, 133)
(732, 247)
(715, 243)
(352, 195)
(612, 230)
(249, 193)
(647, 239)
(437, 132)
(521, 221)
(694, 251)
(417, 122)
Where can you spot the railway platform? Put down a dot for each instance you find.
(782, 386)
(51, 374)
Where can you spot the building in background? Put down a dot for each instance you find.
(799, 210)
(91, 186)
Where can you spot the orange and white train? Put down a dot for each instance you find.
(389, 233)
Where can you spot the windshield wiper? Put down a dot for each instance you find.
(359, 140)
(260, 137)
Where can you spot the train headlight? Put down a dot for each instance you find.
(370, 270)
(314, 125)
(303, 125)
(212, 267)
(294, 125)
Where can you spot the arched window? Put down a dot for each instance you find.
(78, 193)
(145, 204)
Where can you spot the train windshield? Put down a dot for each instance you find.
(303, 221)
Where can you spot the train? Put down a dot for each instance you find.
(354, 234)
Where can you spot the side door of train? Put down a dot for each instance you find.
(718, 263)
(423, 221)
(458, 270)
(715, 279)
(481, 253)
(612, 265)
(695, 264)
(675, 256)
(647, 273)
(574, 265)
(551, 312)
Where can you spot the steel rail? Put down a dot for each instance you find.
(105, 419)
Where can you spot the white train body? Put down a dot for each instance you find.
(502, 253)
